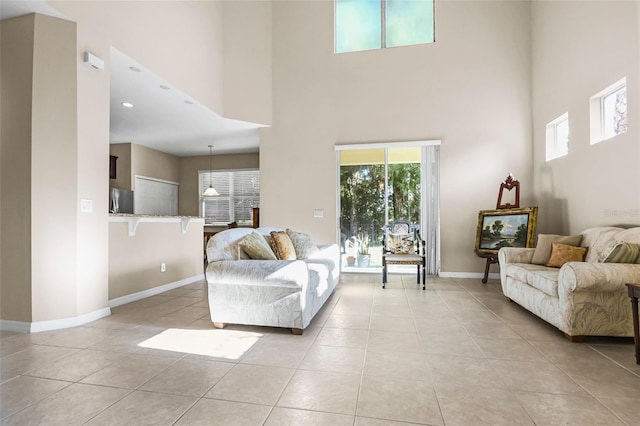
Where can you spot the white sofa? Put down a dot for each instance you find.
(276, 293)
(580, 298)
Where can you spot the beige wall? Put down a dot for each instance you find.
(580, 48)
(39, 169)
(123, 166)
(16, 63)
(247, 60)
(181, 41)
(54, 169)
(137, 160)
(471, 89)
(154, 164)
(134, 261)
(189, 197)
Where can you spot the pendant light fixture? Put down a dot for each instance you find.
(211, 191)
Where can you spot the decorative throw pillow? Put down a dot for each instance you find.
(543, 249)
(622, 252)
(562, 253)
(400, 243)
(302, 244)
(282, 246)
(256, 247)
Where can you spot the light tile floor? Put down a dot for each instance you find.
(456, 354)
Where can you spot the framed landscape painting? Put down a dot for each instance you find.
(506, 228)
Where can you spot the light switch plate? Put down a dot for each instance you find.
(86, 206)
(318, 213)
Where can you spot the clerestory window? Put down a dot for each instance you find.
(608, 110)
(378, 24)
(558, 137)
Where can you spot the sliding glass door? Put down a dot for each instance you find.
(362, 206)
(377, 186)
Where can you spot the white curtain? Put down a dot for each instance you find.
(431, 207)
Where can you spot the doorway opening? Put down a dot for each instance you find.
(381, 183)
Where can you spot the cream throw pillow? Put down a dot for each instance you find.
(256, 247)
(543, 248)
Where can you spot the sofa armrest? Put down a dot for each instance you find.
(281, 273)
(515, 255)
(596, 277)
(330, 251)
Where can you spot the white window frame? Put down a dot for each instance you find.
(383, 28)
(597, 111)
(553, 148)
(430, 212)
(211, 220)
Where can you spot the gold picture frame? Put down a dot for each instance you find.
(506, 228)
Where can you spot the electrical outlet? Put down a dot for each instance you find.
(163, 267)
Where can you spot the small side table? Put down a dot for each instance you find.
(634, 294)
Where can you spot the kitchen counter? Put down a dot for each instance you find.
(134, 219)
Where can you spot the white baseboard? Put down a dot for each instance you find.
(34, 327)
(492, 276)
(152, 291)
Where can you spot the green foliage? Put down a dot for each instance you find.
(521, 235)
(486, 232)
(364, 244)
(496, 228)
(362, 198)
(404, 192)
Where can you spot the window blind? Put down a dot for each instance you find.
(239, 193)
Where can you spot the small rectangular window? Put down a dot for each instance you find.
(557, 139)
(608, 112)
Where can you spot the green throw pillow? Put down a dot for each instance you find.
(622, 252)
(256, 247)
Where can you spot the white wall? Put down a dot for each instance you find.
(471, 89)
(579, 49)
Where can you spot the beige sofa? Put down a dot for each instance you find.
(580, 298)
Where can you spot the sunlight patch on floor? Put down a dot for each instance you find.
(227, 344)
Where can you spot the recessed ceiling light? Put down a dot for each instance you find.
(188, 102)
(127, 104)
(163, 87)
(135, 69)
